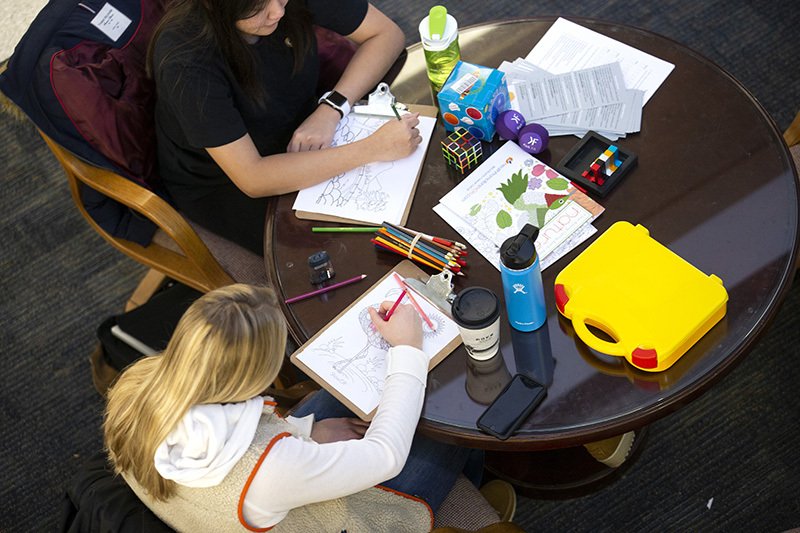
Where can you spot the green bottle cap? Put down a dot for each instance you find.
(436, 21)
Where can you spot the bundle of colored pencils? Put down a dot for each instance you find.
(434, 252)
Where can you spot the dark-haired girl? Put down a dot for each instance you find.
(237, 116)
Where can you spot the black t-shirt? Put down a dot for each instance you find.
(200, 105)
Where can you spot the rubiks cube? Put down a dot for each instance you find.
(462, 150)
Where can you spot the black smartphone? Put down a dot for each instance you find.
(512, 406)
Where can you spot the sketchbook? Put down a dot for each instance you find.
(348, 357)
(373, 193)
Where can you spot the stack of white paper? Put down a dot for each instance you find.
(575, 80)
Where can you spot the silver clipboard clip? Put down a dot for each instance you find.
(438, 290)
(379, 104)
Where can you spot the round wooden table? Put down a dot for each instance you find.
(714, 183)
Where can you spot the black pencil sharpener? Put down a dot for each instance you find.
(321, 267)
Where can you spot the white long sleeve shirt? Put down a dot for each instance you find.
(297, 472)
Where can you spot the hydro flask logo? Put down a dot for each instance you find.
(519, 287)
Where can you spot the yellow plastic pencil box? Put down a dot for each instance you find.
(650, 301)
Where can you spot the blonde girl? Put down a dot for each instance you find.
(190, 433)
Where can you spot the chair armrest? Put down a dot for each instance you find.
(792, 134)
(197, 267)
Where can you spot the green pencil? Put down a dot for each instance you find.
(354, 229)
(395, 112)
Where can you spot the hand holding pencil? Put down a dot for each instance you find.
(404, 326)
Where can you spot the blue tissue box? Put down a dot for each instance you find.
(472, 97)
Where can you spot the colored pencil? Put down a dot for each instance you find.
(384, 245)
(402, 295)
(354, 229)
(437, 252)
(437, 240)
(418, 255)
(432, 256)
(445, 254)
(397, 249)
(456, 248)
(414, 302)
(326, 289)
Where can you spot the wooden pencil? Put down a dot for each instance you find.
(419, 250)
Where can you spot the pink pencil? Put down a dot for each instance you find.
(402, 294)
(403, 285)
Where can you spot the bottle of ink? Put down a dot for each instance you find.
(439, 34)
(522, 280)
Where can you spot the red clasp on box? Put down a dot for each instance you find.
(644, 358)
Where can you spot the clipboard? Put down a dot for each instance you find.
(310, 359)
(423, 110)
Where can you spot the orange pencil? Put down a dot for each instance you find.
(386, 245)
(417, 250)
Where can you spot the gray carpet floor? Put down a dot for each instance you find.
(724, 463)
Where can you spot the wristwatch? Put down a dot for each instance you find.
(337, 101)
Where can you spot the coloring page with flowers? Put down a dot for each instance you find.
(513, 188)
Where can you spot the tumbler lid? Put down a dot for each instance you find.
(475, 308)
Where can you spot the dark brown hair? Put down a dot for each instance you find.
(210, 24)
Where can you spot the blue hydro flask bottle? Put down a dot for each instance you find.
(522, 280)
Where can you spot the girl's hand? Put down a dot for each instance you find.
(396, 139)
(338, 429)
(316, 132)
(403, 327)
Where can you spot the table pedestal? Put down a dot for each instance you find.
(556, 474)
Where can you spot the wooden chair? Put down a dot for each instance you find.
(792, 133)
(180, 249)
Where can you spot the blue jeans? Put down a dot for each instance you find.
(432, 466)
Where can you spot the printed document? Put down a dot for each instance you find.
(567, 47)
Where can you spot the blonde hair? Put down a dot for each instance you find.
(228, 347)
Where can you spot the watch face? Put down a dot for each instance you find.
(336, 98)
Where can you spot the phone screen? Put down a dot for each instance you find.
(512, 406)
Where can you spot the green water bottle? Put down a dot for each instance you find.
(439, 33)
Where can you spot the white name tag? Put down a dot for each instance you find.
(111, 21)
